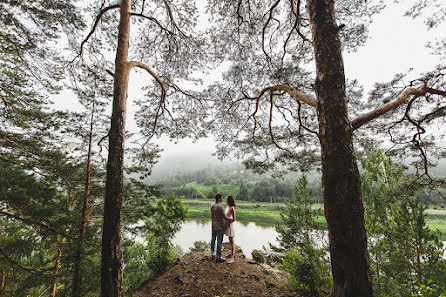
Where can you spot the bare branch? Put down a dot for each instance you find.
(365, 118)
(172, 19)
(154, 20)
(161, 105)
(299, 108)
(435, 91)
(96, 22)
(132, 64)
(416, 138)
(297, 95)
(101, 140)
(403, 97)
(270, 11)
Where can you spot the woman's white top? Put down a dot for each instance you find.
(230, 230)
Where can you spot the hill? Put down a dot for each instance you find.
(195, 274)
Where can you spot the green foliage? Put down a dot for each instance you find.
(243, 193)
(143, 261)
(307, 265)
(429, 290)
(205, 183)
(309, 269)
(410, 254)
(199, 246)
(165, 220)
(379, 177)
(407, 257)
(297, 218)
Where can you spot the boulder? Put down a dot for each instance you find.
(238, 250)
(272, 259)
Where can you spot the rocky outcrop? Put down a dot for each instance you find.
(197, 275)
(272, 259)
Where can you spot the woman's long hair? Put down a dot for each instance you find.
(231, 201)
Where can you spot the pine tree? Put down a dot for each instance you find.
(285, 100)
(297, 219)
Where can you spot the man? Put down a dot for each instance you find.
(218, 225)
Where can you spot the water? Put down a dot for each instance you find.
(249, 235)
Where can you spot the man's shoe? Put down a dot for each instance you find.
(220, 260)
(212, 257)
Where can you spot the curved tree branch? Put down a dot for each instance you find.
(29, 220)
(161, 106)
(171, 17)
(367, 117)
(154, 20)
(132, 64)
(297, 95)
(44, 273)
(96, 22)
(265, 26)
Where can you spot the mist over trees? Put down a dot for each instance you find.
(284, 102)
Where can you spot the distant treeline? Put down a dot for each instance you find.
(234, 180)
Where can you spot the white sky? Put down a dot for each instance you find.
(396, 44)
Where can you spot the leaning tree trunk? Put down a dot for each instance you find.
(340, 176)
(112, 261)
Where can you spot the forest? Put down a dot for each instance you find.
(88, 88)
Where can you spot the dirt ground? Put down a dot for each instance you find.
(196, 275)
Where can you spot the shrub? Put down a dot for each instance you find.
(309, 270)
(199, 246)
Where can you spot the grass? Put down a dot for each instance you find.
(438, 225)
(270, 214)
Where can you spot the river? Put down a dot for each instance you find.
(249, 235)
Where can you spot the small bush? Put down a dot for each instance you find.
(199, 246)
(309, 270)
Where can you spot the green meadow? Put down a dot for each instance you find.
(269, 213)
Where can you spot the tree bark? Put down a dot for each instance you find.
(340, 176)
(56, 268)
(77, 277)
(112, 259)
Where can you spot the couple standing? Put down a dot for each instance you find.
(223, 223)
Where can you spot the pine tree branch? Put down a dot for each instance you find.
(161, 106)
(154, 20)
(29, 269)
(265, 26)
(29, 220)
(297, 95)
(172, 19)
(132, 64)
(402, 98)
(96, 22)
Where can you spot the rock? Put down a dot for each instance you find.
(257, 255)
(272, 259)
(179, 280)
(270, 284)
(238, 250)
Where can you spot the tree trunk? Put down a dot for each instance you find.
(77, 277)
(340, 176)
(112, 261)
(3, 286)
(56, 268)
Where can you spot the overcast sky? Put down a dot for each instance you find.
(396, 44)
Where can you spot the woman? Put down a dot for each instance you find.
(230, 230)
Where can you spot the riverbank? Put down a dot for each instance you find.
(269, 213)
